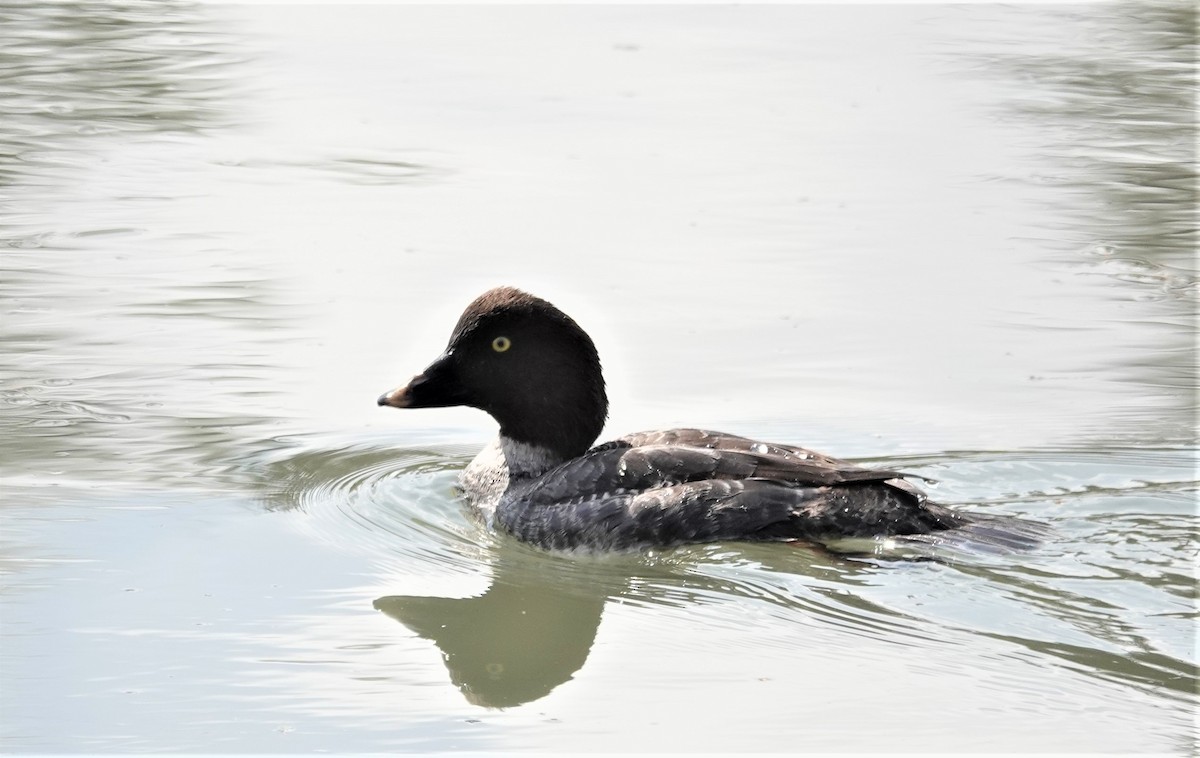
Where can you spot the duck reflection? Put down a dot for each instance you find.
(534, 627)
(530, 632)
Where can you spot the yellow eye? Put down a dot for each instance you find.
(500, 344)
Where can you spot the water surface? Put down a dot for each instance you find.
(957, 240)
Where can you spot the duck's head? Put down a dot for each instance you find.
(527, 364)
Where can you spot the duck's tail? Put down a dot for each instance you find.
(976, 536)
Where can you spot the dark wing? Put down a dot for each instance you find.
(647, 460)
(621, 470)
(618, 468)
(772, 461)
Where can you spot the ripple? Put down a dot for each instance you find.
(43, 412)
(378, 168)
(399, 506)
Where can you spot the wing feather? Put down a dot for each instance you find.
(656, 459)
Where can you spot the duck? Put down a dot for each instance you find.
(544, 481)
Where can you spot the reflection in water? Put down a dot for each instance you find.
(527, 634)
(75, 75)
(128, 327)
(1124, 127)
(533, 628)
(1121, 148)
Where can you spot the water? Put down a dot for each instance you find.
(957, 240)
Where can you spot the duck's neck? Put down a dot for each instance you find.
(559, 411)
(561, 427)
(524, 459)
(504, 466)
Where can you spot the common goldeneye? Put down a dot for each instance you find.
(538, 374)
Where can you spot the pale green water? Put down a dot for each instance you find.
(958, 240)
